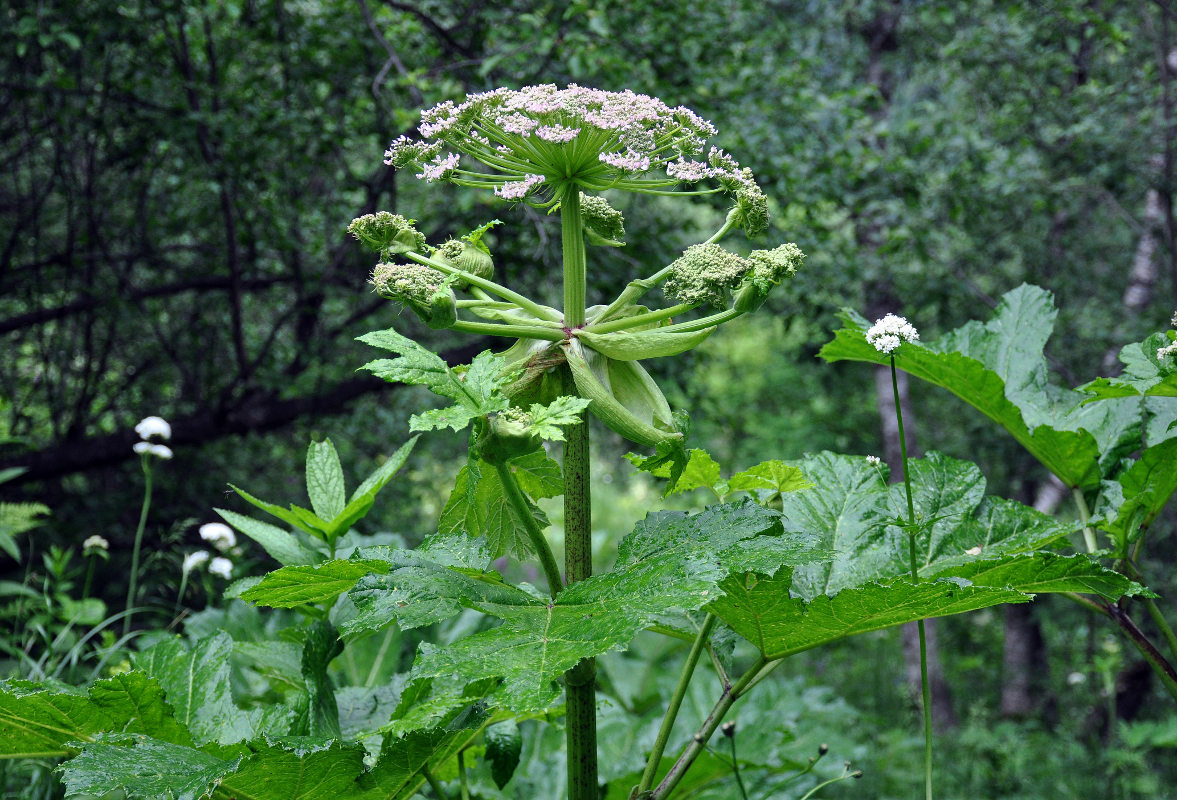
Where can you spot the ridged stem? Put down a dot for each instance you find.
(539, 542)
(579, 682)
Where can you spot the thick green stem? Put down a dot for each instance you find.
(680, 691)
(539, 542)
(575, 265)
(631, 293)
(133, 580)
(511, 331)
(925, 685)
(434, 784)
(1159, 620)
(703, 322)
(579, 682)
(1084, 516)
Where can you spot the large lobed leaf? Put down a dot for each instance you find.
(999, 369)
(970, 551)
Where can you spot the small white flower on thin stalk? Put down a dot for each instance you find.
(889, 332)
(1167, 350)
(195, 560)
(153, 426)
(221, 567)
(157, 450)
(874, 461)
(219, 535)
(95, 543)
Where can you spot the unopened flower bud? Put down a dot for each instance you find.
(426, 291)
(468, 257)
(823, 749)
(751, 209)
(508, 435)
(385, 232)
(603, 224)
(728, 729)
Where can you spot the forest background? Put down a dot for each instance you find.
(177, 178)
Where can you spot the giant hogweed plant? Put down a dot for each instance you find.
(790, 557)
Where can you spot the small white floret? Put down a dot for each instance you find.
(973, 551)
(221, 567)
(219, 535)
(874, 461)
(95, 542)
(195, 560)
(153, 426)
(157, 450)
(890, 332)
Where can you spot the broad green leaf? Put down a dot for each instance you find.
(538, 475)
(1048, 572)
(304, 585)
(549, 421)
(504, 745)
(999, 369)
(695, 470)
(279, 662)
(670, 562)
(195, 680)
(478, 506)
(301, 769)
(38, 722)
(294, 768)
(856, 515)
(385, 472)
(761, 610)
(1143, 373)
(282, 546)
(474, 390)
(321, 646)
(144, 768)
(776, 476)
(354, 511)
(426, 586)
(325, 485)
(398, 771)
(1144, 489)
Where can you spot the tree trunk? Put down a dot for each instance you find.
(1024, 668)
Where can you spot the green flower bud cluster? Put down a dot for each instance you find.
(507, 435)
(603, 224)
(385, 232)
(468, 257)
(426, 291)
(705, 273)
(751, 209)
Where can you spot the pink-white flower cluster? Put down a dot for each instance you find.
(889, 332)
(590, 138)
(517, 190)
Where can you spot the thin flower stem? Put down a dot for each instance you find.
(925, 686)
(1159, 620)
(133, 580)
(680, 692)
(510, 331)
(538, 541)
(703, 322)
(638, 320)
(1084, 516)
(433, 783)
(89, 577)
(699, 741)
(463, 780)
(525, 303)
(736, 767)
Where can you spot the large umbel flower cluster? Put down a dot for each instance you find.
(528, 143)
(561, 148)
